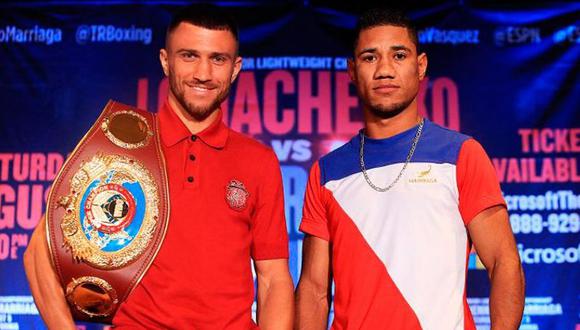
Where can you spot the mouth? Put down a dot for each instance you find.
(386, 88)
(200, 89)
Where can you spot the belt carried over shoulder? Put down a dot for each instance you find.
(108, 211)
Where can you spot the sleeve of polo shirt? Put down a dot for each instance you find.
(270, 237)
(314, 221)
(477, 181)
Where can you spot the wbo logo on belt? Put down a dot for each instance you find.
(117, 211)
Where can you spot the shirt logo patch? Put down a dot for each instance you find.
(423, 177)
(237, 195)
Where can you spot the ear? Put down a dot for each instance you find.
(422, 64)
(351, 69)
(237, 68)
(163, 60)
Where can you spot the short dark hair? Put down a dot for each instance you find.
(206, 16)
(385, 16)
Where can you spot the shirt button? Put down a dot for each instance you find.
(189, 179)
(193, 138)
(191, 157)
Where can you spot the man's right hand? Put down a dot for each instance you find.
(44, 282)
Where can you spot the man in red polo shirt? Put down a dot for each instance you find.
(226, 202)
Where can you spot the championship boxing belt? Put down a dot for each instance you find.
(108, 212)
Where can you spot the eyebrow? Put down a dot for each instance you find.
(182, 50)
(367, 50)
(400, 47)
(216, 54)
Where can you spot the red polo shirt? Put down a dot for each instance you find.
(202, 277)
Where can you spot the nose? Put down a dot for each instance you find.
(385, 69)
(202, 71)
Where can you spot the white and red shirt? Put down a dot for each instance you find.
(399, 258)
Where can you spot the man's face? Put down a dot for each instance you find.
(201, 64)
(386, 70)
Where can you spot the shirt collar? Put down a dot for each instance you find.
(173, 130)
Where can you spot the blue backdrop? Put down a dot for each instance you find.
(508, 76)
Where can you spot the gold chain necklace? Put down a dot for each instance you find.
(409, 156)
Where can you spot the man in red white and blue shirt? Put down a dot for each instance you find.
(391, 215)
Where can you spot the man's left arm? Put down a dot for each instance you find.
(494, 242)
(270, 249)
(275, 294)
